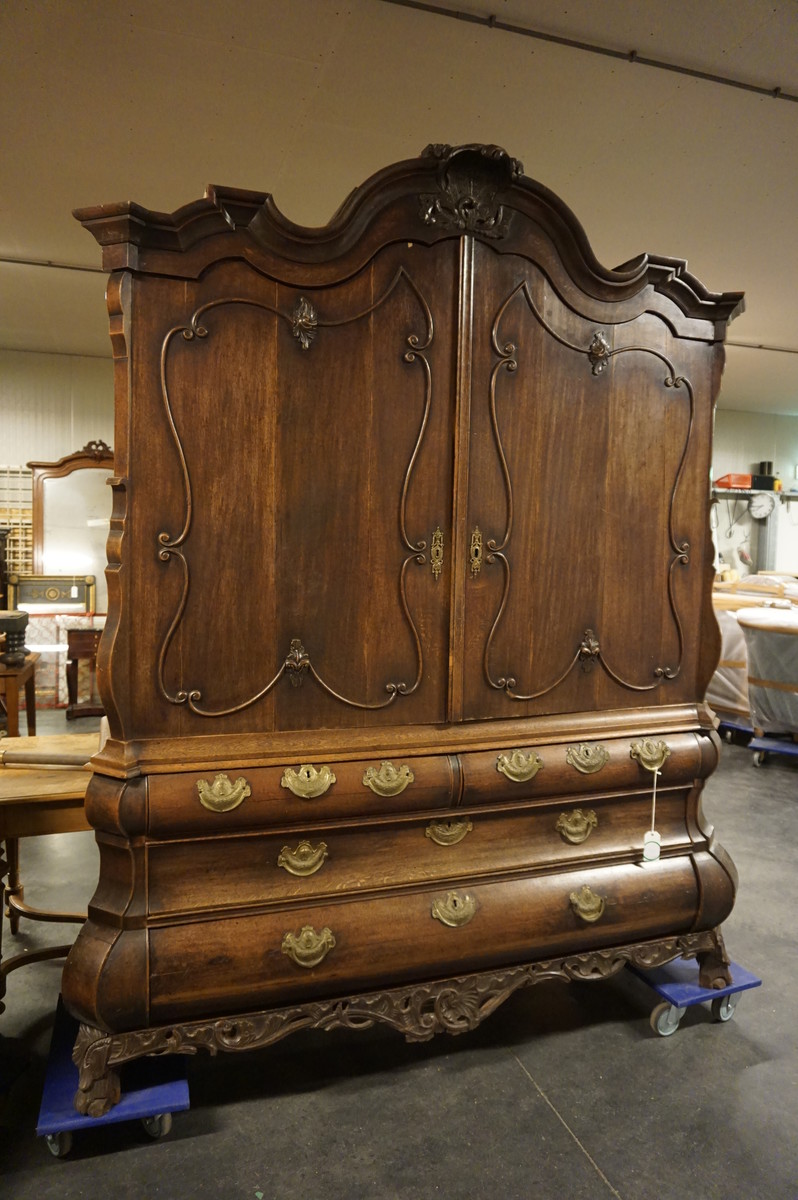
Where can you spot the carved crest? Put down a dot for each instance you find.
(470, 182)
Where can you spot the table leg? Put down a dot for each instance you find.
(12, 706)
(30, 704)
(13, 886)
(2, 973)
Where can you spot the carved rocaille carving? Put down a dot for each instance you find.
(469, 182)
(589, 650)
(98, 449)
(418, 1011)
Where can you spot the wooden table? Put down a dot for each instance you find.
(11, 680)
(82, 644)
(36, 800)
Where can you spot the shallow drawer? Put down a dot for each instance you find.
(253, 868)
(336, 948)
(580, 767)
(324, 791)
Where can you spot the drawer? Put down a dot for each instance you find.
(574, 768)
(324, 861)
(336, 948)
(262, 796)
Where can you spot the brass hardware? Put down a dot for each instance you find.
(454, 909)
(519, 765)
(599, 352)
(296, 662)
(587, 759)
(589, 650)
(307, 782)
(476, 551)
(436, 552)
(586, 904)
(222, 795)
(304, 321)
(387, 780)
(650, 754)
(308, 948)
(448, 833)
(305, 860)
(576, 826)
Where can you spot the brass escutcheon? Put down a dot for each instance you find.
(436, 552)
(520, 765)
(476, 551)
(587, 759)
(576, 826)
(649, 753)
(586, 904)
(305, 860)
(454, 909)
(308, 948)
(308, 782)
(222, 795)
(448, 833)
(387, 780)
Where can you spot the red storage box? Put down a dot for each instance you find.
(733, 481)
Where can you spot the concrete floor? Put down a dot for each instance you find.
(564, 1094)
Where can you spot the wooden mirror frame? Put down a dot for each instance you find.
(94, 455)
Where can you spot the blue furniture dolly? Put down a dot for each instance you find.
(677, 983)
(152, 1089)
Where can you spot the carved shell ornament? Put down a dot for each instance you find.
(470, 181)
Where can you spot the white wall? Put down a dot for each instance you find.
(744, 439)
(52, 405)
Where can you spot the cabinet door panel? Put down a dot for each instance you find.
(575, 482)
(313, 532)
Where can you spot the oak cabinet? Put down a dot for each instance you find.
(409, 576)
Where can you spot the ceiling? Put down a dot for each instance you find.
(150, 101)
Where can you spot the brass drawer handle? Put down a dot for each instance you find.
(448, 833)
(520, 765)
(587, 759)
(586, 904)
(386, 780)
(305, 860)
(576, 826)
(222, 795)
(454, 909)
(308, 948)
(650, 754)
(307, 782)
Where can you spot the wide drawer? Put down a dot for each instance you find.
(298, 794)
(335, 948)
(574, 768)
(330, 860)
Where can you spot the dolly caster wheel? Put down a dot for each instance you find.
(759, 758)
(157, 1126)
(59, 1144)
(723, 1007)
(665, 1019)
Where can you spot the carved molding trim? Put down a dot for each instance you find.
(598, 353)
(418, 1011)
(304, 322)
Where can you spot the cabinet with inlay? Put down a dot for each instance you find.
(409, 613)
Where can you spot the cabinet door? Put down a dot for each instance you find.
(314, 422)
(585, 526)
